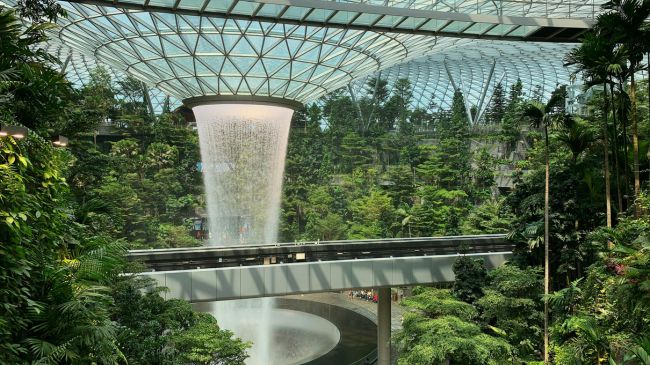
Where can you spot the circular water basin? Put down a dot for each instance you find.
(293, 332)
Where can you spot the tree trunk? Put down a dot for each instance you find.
(617, 171)
(625, 143)
(608, 195)
(547, 279)
(635, 144)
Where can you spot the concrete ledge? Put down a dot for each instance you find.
(203, 285)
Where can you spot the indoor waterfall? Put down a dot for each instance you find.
(243, 149)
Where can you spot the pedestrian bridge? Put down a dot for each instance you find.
(208, 273)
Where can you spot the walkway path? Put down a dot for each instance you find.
(363, 307)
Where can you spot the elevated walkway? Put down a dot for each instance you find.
(417, 261)
(282, 253)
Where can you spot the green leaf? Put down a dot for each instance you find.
(642, 355)
(9, 220)
(11, 159)
(22, 160)
(498, 331)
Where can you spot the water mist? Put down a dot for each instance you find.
(243, 148)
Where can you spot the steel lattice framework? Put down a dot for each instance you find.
(188, 56)
(497, 19)
(475, 68)
(299, 50)
(78, 67)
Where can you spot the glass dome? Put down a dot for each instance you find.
(300, 50)
(475, 68)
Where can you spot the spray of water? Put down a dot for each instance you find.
(243, 149)
(299, 337)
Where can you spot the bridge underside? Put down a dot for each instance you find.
(202, 285)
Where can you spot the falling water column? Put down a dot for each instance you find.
(383, 326)
(243, 147)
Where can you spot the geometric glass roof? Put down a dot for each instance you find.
(302, 49)
(509, 19)
(476, 67)
(78, 67)
(188, 56)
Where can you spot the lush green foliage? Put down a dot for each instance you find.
(142, 186)
(54, 272)
(603, 315)
(440, 327)
(470, 277)
(157, 331)
(512, 304)
(370, 174)
(62, 299)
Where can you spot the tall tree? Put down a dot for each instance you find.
(497, 105)
(516, 94)
(454, 144)
(542, 116)
(625, 24)
(594, 59)
(440, 329)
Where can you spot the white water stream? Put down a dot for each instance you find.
(243, 148)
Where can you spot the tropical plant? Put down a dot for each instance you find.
(153, 330)
(440, 328)
(469, 278)
(544, 116)
(624, 23)
(512, 303)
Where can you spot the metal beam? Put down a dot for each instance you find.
(354, 100)
(453, 83)
(420, 16)
(374, 97)
(147, 99)
(65, 64)
(479, 110)
(367, 8)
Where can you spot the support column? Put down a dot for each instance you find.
(383, 327)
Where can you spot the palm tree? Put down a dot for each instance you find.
(625, 24)
(543, 116)
(616, 69)
(594, 59)
(576, 134)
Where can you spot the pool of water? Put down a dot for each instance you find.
(308, 332)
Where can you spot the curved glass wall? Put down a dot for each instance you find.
(476, 67)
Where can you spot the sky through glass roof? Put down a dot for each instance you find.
(79, 66)
(476, 67)
(273, 48)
